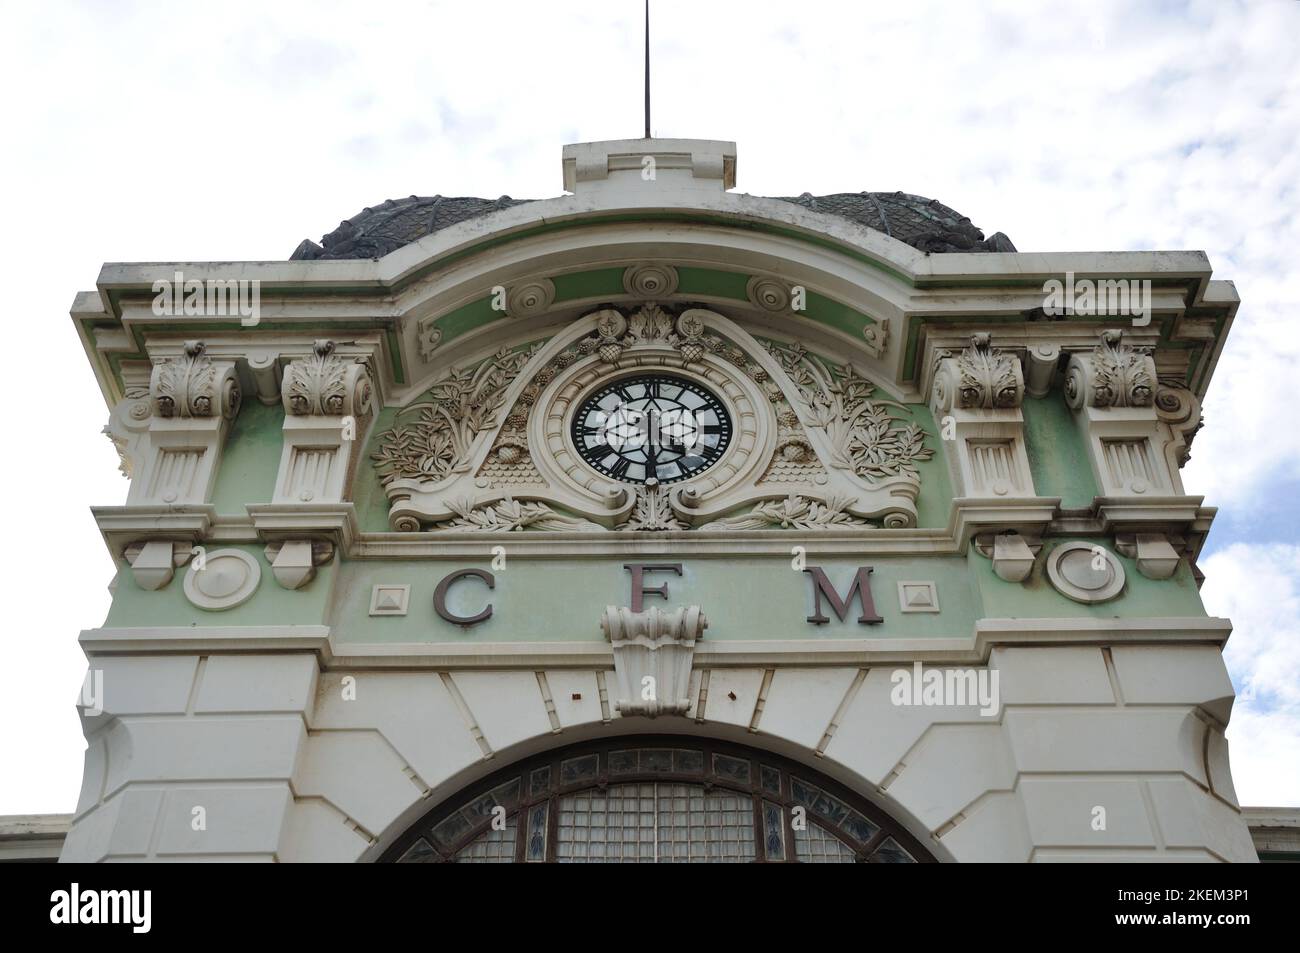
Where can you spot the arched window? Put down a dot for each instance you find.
(657, 800)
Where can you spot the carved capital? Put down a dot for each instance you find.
(530, 298)
(193, 386)
(324, 384)
(979, 378)
(1115, 374)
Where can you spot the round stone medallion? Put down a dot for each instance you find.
(1085, 572)
(228, 578)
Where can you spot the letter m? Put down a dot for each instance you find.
(861, 588)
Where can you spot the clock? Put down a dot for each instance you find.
(653, 427)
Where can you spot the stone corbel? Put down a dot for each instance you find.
(1013, 555)
(976, 399)
(327, 401)
(1112, 391)
(1155, 557)
(154, 563)
(294, 562)
(193, 399)
(653, 651)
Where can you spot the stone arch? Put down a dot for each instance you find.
(711, 800)
(374, 764)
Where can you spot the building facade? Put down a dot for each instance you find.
(657, 522)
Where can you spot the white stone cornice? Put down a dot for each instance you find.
(973, 648)
(121, 525)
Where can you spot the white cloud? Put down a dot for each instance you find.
(1258, 587)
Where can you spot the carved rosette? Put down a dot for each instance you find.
(530, 298)
(770, 294)
(653, 651)
(193, 386)
(325, 385)
(981, 377)
(650, 281)
(1115, 374)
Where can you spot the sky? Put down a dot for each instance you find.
(177, 131)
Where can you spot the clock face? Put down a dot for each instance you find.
(651, 427)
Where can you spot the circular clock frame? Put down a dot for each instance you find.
(653, 425)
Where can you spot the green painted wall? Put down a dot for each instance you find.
(1058, 457)
(936, 487)
(250, 460)
(561, 601)
(269, 605)
(1142, 598)
(367, 492)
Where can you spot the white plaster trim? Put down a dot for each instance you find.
(974, 648)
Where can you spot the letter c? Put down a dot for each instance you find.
(440, 597)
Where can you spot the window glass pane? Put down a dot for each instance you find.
(579, 769)
(735, 769)
(419, 853)
(535, 849)
(816, 845)
(657, 759)
(773, 831)
(891, 853)
(491, 847)
(645, 823)
(539, 781)
(622, 762)
(688, 762)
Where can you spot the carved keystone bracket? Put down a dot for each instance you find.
(1155, 557)
(1013, 555)
(153, 564)
(653, 650)
(294, 562)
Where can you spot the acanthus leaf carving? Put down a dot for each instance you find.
(324, 384)
(653, 510)
(1115, 374)
(191, 385)
(865, 438)
(793, 512)
(509, 515)
(989, 378)
(465, 403)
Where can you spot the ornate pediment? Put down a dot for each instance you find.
(777, 435)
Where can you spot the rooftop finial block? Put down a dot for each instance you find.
(704, 164)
